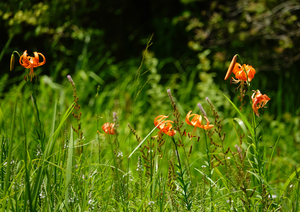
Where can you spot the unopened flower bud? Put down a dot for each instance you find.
(12, 62)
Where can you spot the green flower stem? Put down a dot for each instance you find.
(151, 170)
(184, 186)
(257, 152)
(209, 166)
(177, 155)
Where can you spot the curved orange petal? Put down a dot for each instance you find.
(251, 72)
(237, 68)
(35, 59)
(199, 121)
(187, 118)
(44, 60)
(195, 119)
(24, 60)
(207, 126)
(160, 118)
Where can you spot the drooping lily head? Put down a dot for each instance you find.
(164, 125)
(31, 62)
(259, 101)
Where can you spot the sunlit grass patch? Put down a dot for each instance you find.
(79, 146)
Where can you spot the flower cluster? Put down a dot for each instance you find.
(166, 125)
(245, 73)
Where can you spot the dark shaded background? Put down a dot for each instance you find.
(265, 33)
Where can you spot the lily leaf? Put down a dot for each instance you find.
(242, 124)
(242, 117)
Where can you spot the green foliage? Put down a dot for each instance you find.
(79, 37)
(44, 166)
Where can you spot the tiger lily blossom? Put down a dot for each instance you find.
(259, 101)
(108, 128)
(242, 72)
(31, 62)
(197, 121)
(164, 126)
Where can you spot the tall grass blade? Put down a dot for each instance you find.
(140, 144)
(290, 178)
(47, 153)
(69, 169)
(6, 46)
(27, 172)
(10, 147)
(271, 157)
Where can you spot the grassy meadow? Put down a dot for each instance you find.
(58, 153)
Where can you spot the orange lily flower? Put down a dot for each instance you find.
(108, 128)
(259, 101)
(239, 71)
(164, 126)
(31, 62)
(197, 121)
(240, 74)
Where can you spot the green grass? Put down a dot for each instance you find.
(47, 165)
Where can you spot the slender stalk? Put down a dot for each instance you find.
(151, 169)
(97, 124)
(257, 151)
(27, 172)
(8, 161)
(297, 190)
(209, 168)
(184, 186)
